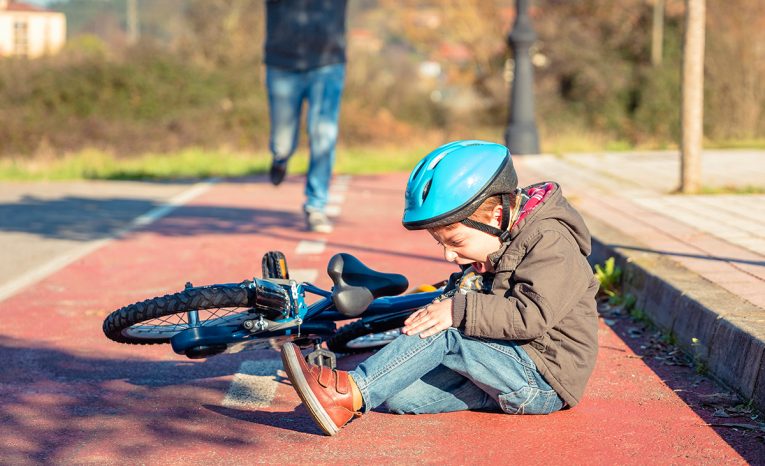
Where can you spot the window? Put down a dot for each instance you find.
(20, 38)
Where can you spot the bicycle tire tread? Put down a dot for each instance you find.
(349, 332)
(209, 297)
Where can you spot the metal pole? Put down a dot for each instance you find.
(521, 134)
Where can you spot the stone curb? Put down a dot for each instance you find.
(730, 331)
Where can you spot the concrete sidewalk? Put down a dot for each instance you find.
(696, 263)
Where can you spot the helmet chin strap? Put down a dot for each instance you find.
(502, 233)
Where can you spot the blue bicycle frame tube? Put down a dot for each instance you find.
(383, 306)
(318, 318)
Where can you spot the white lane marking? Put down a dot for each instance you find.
(254, 385)
(57, 263)
(336, 198)
(175, 202)
(332, 210)
(343, 179)
(304, 275)
(311, 247)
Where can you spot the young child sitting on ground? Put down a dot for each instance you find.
(515, 330)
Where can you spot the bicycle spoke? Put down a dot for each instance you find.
(174, 323)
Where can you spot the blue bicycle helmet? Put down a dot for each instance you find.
(451, 182)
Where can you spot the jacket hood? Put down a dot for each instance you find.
(554, 206)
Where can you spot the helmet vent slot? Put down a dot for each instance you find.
(436, 160)
(426, 190)
(417, 170)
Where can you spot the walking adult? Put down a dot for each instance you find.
(305, 61)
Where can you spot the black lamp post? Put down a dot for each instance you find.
(521, 134)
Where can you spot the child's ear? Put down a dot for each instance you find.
(496, 215)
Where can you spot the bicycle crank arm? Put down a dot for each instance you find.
(262, 324)
(199, 342)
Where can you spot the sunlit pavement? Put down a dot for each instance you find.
(71, 396)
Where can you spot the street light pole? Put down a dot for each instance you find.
(521, 134)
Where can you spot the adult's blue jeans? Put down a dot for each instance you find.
(322, 88)
(449, 371)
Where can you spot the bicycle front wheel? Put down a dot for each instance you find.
(158, 319)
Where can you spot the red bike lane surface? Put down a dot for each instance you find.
(71, 396)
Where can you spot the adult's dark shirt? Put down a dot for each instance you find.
(304, 34)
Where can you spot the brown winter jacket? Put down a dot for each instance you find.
(543, 296)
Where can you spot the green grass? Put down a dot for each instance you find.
(197, 163)
(93, 164)
(746, 189)
(736, 144)
(560, 142)
(379, 160)
(572, 140)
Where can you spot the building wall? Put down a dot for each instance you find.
(45, 33)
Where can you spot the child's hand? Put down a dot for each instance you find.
(430, 320)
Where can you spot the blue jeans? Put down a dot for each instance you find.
(322, 88)
(449, 371)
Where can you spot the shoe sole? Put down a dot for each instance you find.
(276, 182)
(299, 382)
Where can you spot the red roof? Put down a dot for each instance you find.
(13, 6)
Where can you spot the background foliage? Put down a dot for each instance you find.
(419, 71)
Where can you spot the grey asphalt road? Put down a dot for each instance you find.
(46, 225)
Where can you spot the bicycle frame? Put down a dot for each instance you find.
(317, 318)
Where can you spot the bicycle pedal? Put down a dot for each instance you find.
(322, 357)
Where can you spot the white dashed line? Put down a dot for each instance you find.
(343, 179)
(332, 210)
(311, 247)
(336, 198)
(304, 275)
(177, 201)
(58, 263)
(254, 385)
(339, 186)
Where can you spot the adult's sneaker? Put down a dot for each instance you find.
(318, 221)
(278, 171)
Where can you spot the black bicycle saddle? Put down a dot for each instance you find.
(356, 285)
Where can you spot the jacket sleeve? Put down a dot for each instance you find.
(546, 284)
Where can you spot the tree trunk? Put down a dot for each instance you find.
(657, 33)
(132, 21)
(692, 112)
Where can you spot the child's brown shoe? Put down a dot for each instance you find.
(327, 393)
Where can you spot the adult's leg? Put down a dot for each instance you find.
(286, 91)
(501, 369)
(324, 95)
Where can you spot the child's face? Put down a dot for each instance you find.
(465, 245)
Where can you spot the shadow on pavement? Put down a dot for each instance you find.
(297, 421)
(709, 400)
(71, 218)
(60, 406)
(55, 403)
(87, 219)
(695, 256)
